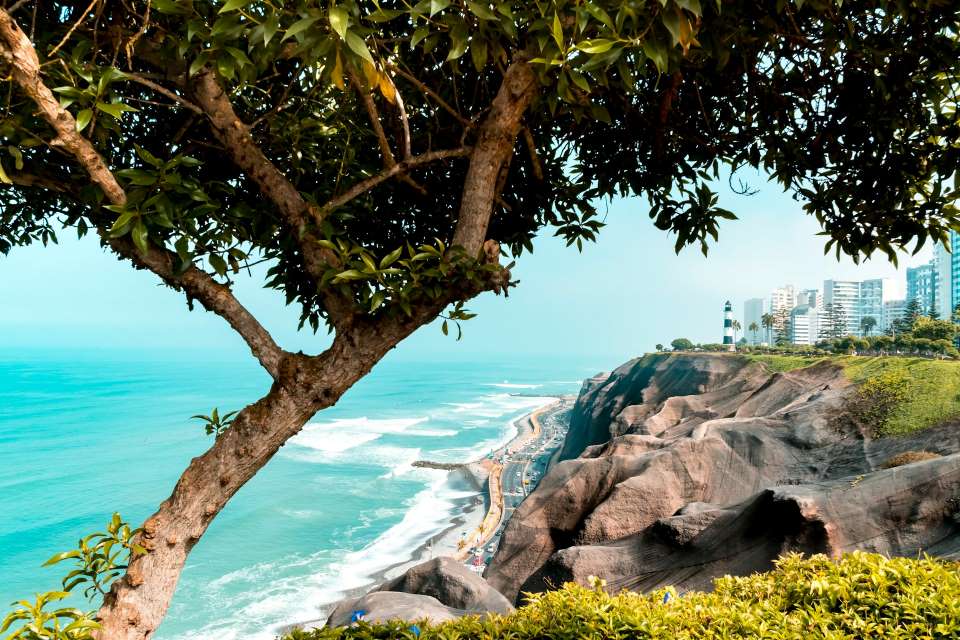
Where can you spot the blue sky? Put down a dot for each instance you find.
(616, 299)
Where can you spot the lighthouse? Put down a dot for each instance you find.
(728, 327)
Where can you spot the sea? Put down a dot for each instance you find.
(87, 434)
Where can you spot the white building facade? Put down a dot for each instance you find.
(874, 294)
(804, 325)
(844, 294)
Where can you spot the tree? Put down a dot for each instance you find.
(736, 328)
(753, 328)
(867, 323)
(912, 311)
(833, 321)
(382, 158)
(767, 321)
(659, 347)
(782, 324)
(930, 329)
(681, 344)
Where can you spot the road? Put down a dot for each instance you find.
(523, 468)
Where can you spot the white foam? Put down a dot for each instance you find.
(510, 385)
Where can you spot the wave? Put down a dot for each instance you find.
(337, 436)
(510, 385)
(266, 597)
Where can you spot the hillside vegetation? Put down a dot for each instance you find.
(861, 596)
(903, 394)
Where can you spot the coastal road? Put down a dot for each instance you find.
(524, 465)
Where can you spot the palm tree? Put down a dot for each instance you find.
(753, 328)
(767, 321)
(736, 327)
(867, 323)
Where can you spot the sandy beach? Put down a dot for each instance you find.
(468, 516)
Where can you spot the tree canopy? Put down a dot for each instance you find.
(385, 158)
(350, 126)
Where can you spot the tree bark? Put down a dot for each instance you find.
(495, 141)
(138, 601)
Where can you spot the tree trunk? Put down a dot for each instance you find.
(139, 600)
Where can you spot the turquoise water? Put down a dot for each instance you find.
(84, 435)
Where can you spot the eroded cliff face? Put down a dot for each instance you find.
(681, 468)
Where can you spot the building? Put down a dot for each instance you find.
(845, 295)
(873, 295)
(728, 327)
(753, 314)
(783, 299)
(943, 298)
(804, 325)
(922, 286)
(811, 298)
(893, 310)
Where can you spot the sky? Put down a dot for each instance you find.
(616, 299)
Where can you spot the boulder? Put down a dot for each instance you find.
(381, 606)
(452, 584)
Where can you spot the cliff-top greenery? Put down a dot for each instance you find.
(861, 596)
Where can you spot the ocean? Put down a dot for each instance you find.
(85, 434)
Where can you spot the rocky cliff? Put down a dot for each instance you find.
(681, 468)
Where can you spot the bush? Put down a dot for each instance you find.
(861, 596)
(909, 457)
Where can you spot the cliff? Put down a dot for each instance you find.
(681, 468)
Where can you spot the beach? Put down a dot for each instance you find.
(470, 511)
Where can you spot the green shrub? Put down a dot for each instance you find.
(861, 596)
(98, 560)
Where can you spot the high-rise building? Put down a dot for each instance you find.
(810, 297)
(753, 314)
(844, 294)
(943, 298)
(922, 286)
(893, 310)
(804, 326)
(873, 295)
(783, 299)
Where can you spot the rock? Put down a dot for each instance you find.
(381, 606)
(452, 584)
(681, 468)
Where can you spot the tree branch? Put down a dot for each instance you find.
(235, 136)
(374, 116)
(163, 91)
(493, 149)
(397, 169)
(17, 51)
(431, 93)
(534, 157)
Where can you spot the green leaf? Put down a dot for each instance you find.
(390, 258)
(339, 19)
(599, 45)
(115, 109)
(83, 119)
(481, 11)
(445, 328)
(60, 557)
(270, 27)
(139, 234)
(358, 46)
(557, 32)
(233, 5)
(436, 6)
(300, 26)
(4, 178)
(478, 53)
(220, 266)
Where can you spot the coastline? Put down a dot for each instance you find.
(467, 518)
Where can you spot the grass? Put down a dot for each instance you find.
(930, 388)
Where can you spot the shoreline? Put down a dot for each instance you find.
(467, 518)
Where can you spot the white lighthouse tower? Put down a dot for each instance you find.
(728, 327)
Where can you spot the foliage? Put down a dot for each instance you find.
(681, 344)
(833, 321)
(98, 559)
(877, 399)
(860, 596)
(925, 327)
(215, 424)
(909, 457)
(783, 363)
(867, 324)
(655, 99)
